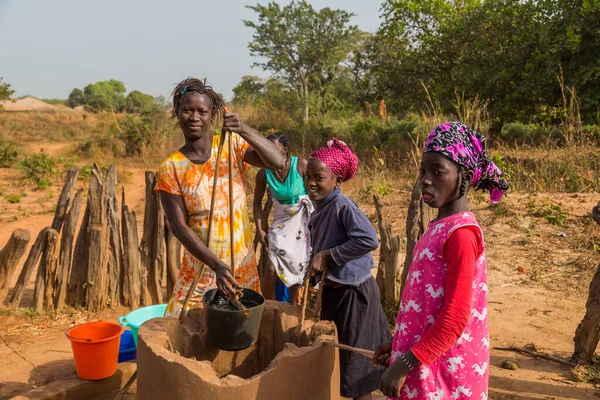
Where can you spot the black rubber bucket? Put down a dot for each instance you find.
(229, 328)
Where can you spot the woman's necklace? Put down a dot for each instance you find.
(283, 169)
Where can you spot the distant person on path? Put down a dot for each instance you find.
(185, 183)
(342, 239)
(287, 240)
(441, 345)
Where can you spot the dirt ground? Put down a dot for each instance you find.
(538, 275)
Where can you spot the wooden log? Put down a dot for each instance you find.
(32, 260)
(66, 250)
(131, 257)
(153, 244)
(173, 258)
(10, 256)
(97, 279)
(389, 251)
(80, 264)
(47, 263)
(587, 334)
(65, 199)
(114, 241)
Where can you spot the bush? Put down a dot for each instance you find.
(39, 168)
(8, 154)
(531, 133)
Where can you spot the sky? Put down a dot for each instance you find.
(47, 48)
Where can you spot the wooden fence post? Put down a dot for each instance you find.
(66, 250)
(587, 334)
(389, 251)
(80, 265)
(114, 242)
(43, 293)
(173, 258)
(32, 259)
(64, 201)
(131, 257)
(10, 256)
(97, 279)
(153, 243)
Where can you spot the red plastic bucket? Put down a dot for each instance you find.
(95, 349)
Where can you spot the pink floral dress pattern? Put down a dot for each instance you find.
(462, 371)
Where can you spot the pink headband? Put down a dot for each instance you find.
(339, 158)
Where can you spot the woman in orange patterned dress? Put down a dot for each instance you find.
(185, 184)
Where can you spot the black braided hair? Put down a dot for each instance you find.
(281, 138)
(194, 85)
(464, 183)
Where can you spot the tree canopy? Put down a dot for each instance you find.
(298, 42)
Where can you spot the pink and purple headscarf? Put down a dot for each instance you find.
(339, 158)
(466, 147)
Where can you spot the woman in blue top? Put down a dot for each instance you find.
(287, 239)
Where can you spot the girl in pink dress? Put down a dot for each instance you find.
(441, 346)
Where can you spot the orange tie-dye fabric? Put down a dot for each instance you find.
(194, 182)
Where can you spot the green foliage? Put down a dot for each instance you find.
(13, 198)
(530, 133)
(5, 90)
(76, 98)
(552, 212)
(105, 96)
(138, 102)
(516, 50)
(299, 43)
(39, 168)
(8, 154)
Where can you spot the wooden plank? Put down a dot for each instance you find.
(50, 260)
(131, 257)
(97, 279)
(173, 258)
(66, 250)
(32, 260)
(65, 199)
(46, 267)
(389, 252)
(114, 241)
(10, 256)
(80, 264)
(153, 245)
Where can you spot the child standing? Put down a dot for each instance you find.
(342, 240)
(441, 343)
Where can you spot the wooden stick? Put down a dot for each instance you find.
(231, 215)
(527, 280)
(364, 352)
(127, 385)
(536, 354)
(208, 234)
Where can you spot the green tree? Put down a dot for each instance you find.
(138, 102)
(297, 42)
(105, 96)
(250, 90)
(76, 98)
(5, 90)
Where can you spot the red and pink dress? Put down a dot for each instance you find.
(443, 313)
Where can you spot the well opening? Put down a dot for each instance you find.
(175, 360)
(278, 332)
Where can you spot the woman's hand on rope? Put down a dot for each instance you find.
(319, 262)
(225, 281)
(382, 355)
(233, 123)
(263, 238)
